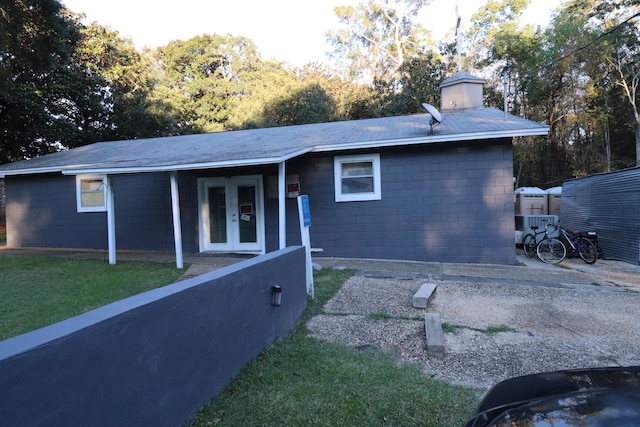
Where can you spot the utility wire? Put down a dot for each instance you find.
(578, 49)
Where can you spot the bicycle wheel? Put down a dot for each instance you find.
(529, 245)
(551, 251)
(587, 250)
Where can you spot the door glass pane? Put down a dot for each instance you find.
(247, 224)
(217, 215)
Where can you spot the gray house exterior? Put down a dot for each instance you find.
(609, 204)
(389, 188)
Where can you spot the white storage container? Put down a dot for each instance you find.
(554, 199)
(531, 201)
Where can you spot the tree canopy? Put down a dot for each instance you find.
(64, 83)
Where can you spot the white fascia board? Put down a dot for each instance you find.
(432, 139)
(31, 171)
(181, 167)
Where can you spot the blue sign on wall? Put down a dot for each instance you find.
(306, 212)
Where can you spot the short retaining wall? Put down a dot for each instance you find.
(154, 358)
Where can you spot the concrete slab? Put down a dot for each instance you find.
(425, 294)
(435, 336)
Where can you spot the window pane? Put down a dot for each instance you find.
(218, 215)
(91, 185)
(248, 224)
(357, 169)
(357, 185)
(92, 199)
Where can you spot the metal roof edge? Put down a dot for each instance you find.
(29, 171)
(430, 139)
(189, 166)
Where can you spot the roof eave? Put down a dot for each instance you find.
(30, 171)
(181, 167)
(431, 139)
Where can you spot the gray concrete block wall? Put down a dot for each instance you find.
(451, 203)
(442, 202)
(41, 211)
(152, 359)
(143, 211)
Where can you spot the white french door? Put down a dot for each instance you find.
(231, 214)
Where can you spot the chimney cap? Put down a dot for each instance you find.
(462, 77)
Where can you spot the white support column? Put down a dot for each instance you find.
(282, 215)
(111, 222)
(177, 226)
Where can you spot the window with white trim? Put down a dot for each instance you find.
(357, 178)
(91, 193)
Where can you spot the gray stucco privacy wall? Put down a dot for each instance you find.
(446, 203)
(155, 358)
(607, 203)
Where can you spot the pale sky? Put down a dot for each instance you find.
(286, 30)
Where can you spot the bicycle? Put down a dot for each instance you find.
(580, 246)
(550, 250)
(530, 241)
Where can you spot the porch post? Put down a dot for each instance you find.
(282, 216)
(177, 226)
(111, 222)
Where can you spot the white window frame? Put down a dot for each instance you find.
(339, 161)
(103, 188)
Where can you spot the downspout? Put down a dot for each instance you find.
(177, 226)
(282, 216)
(111, 222)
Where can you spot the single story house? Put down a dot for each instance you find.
(432, 187)
(607, 203)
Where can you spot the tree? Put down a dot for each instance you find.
(625, 63)
(377, 38)
(204, 77)
(129, 80)
(48, 100)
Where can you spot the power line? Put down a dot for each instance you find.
(578, 49)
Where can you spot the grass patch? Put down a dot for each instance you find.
(490, 330)
(3, 237)
(303, 381)
(39, 291)
(380, 317)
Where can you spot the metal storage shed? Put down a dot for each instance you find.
(609, 204)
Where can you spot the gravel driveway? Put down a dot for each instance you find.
(546, 326)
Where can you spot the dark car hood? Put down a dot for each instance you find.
(584, 397)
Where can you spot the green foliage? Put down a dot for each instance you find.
(128, 74)
(39, 291)
(48, 100)
(63, 84)
(205, 75)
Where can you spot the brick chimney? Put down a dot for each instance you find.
(461, 91)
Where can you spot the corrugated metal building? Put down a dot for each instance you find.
(608, 203)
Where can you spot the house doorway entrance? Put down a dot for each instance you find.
(231, 214)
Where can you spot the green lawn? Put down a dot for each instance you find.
(37, 291)
(303, 381)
